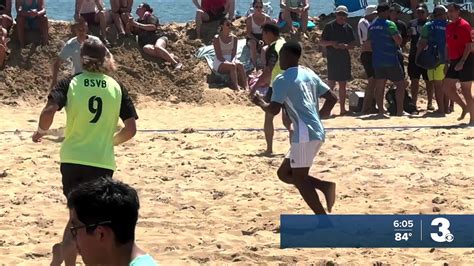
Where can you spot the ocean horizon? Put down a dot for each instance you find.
(184, 10)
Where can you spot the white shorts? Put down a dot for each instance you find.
(301, 155)
(217, 63)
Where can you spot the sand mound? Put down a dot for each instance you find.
(27, 73)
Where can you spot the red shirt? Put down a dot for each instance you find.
(213, 6)
(458, 34)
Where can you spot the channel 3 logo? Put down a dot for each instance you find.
(443, 234)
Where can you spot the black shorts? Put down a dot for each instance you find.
(219, 15)
(402, 63)
(366, 60)
(295, 17)
(75, 174)
(392, 73)
(414, 71)
(90, 18)
(466, 74)
(339, 68)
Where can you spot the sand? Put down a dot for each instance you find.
(210, 197)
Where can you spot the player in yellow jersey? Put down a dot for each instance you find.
(94, 102)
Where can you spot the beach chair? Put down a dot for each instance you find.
(352, 5)
(465, 4)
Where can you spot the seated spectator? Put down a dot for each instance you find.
(3, 45)
(103, 215)
(94, 13)
(31, 14)
(212, 10)
(153, 43)
(295, 10)
(254, 29)
(121, 14)
(225, 46)
(72, 50)
(6, 20)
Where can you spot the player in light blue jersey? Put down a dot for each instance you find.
(298, 90)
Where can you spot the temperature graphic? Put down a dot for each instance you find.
(403, 236)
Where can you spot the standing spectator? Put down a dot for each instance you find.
(254, 29)
(366, 57)
(93, 11)
(433, 34)
(339, 38)
(225, 46)
(72, 50)
(153, 44)
(31, 14)
(212, 10)
(295, 10)
(6, 20)
(121, 14)
(395, 13)
(3, 45)
(414, 71)
(386, 39)
(461, 61)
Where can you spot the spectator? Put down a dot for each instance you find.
(366, 58)
(395, 13)
(461, 61)
(414, 71)
(121, 14)
(153, 44)
(339, 38)
(3, 45)
(295, 10)
(213, 10)
(225, 62)
(72, 49)
(31, 14)
(433, 34)
(93, 11)
(103, 214)
(254, 29)
(6, 20)
(385, 40)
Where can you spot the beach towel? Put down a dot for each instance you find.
(243, 55)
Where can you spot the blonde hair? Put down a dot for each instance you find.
(96, 58)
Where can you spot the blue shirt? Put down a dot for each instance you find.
(144, 260)
(384, 48)
(298, 89)
(435, 33)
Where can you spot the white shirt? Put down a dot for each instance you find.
(363, 29)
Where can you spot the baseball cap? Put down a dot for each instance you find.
(342, 9)
(370, 9)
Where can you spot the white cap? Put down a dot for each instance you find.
(342, 9)
(370, 9)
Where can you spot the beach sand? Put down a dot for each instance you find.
(209, 197)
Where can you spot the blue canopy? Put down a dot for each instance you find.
(352, 5)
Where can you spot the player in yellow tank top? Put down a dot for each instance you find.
(94, 102)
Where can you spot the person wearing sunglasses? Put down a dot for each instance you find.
(461, 61)
(338, 38)
(415, 71)
(254, 24)
(226, 62)
(103, 216)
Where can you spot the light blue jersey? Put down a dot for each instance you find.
(298, 89)
(144, 260)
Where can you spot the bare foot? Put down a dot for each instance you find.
(463, 115)
(57, 255)
(330, 195)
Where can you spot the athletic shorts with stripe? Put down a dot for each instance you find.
(301, 155)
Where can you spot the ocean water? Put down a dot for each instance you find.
(184, 10)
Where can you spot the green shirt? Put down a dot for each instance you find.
(145, 260)
(93, 102)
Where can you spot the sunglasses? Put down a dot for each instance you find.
(88, 227)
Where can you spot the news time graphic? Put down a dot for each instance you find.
(377, 231)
